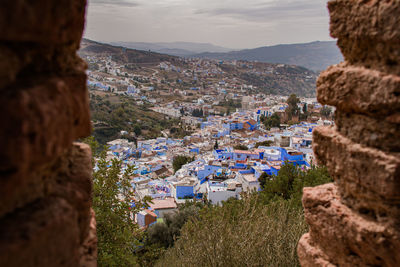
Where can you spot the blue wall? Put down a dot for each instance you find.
(183, 191)
(208, 169)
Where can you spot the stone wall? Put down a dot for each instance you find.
(45, 184)
(355, 221)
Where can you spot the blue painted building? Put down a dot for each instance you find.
(183, 191)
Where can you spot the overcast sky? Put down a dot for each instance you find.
(228, 23)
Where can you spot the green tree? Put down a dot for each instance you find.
(305, 108)
(179, 161)
(326, 111)
(118, 235)
(273, 121)
(241, 147)
(264, 177)
(137, 130)
(264, 143)
(293, 109)
(282, 184)
(216, 144)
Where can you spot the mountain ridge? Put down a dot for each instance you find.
(175, 48)
(316, 55)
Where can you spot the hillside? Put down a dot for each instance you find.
(169, 73)
(121, 54)
(316, 56)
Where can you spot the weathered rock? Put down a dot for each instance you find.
(369, 131)
(310, 255)
(368, 32)
(360, 19)
(88, 250)
(359, 90)
(48, 117)
(44, 233)
(73, 182)
(45, 185)
(356, 221)
(341, 232)
(373, 169)
(42, 21)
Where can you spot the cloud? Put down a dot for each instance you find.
(271, 11)
(120, 3)
(230, 23)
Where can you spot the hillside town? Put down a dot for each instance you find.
(237, 135)
(226, 156)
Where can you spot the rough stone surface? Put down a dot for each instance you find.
(73, 182)
(310, 255)
(355, 222)
(347, 161)
(45, 178)
(369, 131)
(340, 231)
(360, 18)
(368, 32)
(88, 250)
(42, 21)
(43, 233)
(47, 119)
(359, 90)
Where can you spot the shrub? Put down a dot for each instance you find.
(240, 233)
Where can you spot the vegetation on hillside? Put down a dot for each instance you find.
(262, 229)
(271, 122)
(113, 114)
(181, 160)
(118, 235)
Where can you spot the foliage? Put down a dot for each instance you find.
(118, 235)
(179, 161)
(197, 113)
(162, 235)
(240, 233)
(289, 182)
(241, 147)
(273, 121)
(264, 177)
(264, 143)
(216, 144)
(259, 230)
(122, 113)
(326, 111)
(293, 109)
(166, 233)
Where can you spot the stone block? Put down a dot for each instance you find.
(376, 171)
(369, 131)
(44, 233)
(42, 21)
(360, 90)
(346, 236)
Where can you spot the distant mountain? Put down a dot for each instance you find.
(175, 48)
(122, 54)
(316, 56)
